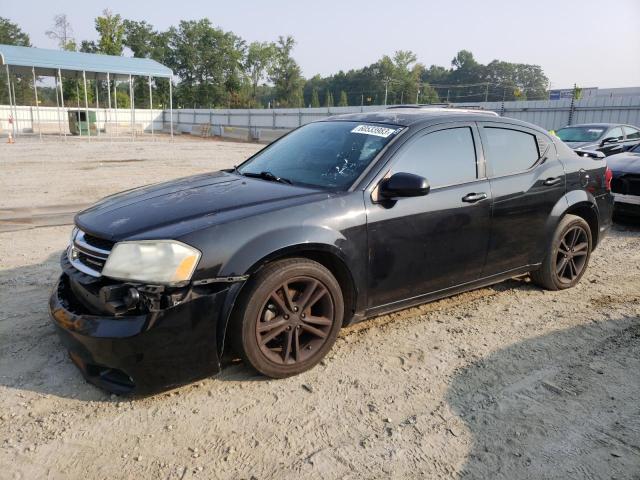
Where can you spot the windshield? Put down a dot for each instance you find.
(580, 134)
(322, 154)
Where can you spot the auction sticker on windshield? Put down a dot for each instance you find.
(383, 132)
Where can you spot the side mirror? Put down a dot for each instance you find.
(403, 185)
(591, 153)
(609, 140)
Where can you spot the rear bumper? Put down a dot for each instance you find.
(140, 354)
(605, 214)
(626, 204)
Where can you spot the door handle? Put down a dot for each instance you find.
(474, 197)
(552, 181)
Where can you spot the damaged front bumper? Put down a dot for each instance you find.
(163, 342)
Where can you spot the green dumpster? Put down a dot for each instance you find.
(78, 122)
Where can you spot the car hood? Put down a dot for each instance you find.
(627, 162)
(181, 201)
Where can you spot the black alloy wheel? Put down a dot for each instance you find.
(289, 318)
(568, 258)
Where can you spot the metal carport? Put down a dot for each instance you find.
(58, 63)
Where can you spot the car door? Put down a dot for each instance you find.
(616, 145)
(527, 180)
(420, 245)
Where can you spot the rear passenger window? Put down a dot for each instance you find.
(445, 157)
(510, 151)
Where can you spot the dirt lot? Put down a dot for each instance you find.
(506, 382)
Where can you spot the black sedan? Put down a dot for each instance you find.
(338, 221)
(625, 184)
(608, 138)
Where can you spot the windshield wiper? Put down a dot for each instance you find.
(267, 176)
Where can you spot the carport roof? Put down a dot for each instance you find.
(47, 62)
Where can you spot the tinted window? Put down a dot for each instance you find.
(632, 133)
(445, 157)
(615, 133)
(580, 134)
(323, 154)
(510, 151)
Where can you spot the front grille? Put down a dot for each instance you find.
(88, 253)
(100, 243)
(627, 184)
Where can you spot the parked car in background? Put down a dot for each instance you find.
(340, 220)
(608, 138)
(625, 184)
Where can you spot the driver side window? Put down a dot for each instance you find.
(445, 157)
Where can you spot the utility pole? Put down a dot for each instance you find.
(417, 96)
(486, 93)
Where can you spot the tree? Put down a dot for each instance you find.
(12, 34)
(89, 46)
(62, 32)
(111, 31)
(344, 102)
(315, 100)
(328, 99)
(209, 63)
(286, 75)
(260, 57)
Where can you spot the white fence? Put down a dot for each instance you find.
(267, 124)
(51, 120)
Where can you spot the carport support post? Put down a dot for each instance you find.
(35, 91)
(171, 107)
(15, 108)
(13, 124)
(62, 97)
(58, 106)
(86, 104)
(131, 109)
(97, 108)
(109, 100)
(115, 99)
(151, 104)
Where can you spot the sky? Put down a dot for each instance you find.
(587, 42)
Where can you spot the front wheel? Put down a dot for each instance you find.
(289, 317)
(568, 257)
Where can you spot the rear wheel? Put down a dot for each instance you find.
(289, 317)
(568, 257)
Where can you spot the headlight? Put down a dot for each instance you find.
(152, 261)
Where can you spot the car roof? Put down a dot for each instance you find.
(408, 117)
(596, 125)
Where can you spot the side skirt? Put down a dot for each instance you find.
(437, 295)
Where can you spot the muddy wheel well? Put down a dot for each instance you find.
(588, 213)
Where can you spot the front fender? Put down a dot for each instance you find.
(291, 238)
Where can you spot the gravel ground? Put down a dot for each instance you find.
(505, 382)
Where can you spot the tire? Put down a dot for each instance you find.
(269, 320)
(568, 257)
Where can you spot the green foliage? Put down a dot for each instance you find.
(111, 29)
(216, 68)
(286, 75)
(344, 102)
(209, 63)
(259, 60)
(12, 34)
(315, 100)
(328, 99)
